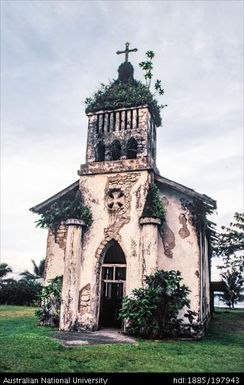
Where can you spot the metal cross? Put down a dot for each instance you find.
(126, 51)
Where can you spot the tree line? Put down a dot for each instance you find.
(23, 291)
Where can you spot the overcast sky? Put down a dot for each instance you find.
(54, 54)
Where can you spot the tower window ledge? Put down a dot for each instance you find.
(117, 109)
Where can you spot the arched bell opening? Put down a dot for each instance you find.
(100, 152)
(131, 149)
(116, 150)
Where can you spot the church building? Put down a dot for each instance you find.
(126, 239)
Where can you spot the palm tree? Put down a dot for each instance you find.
(4, 269)
(233, 286)
(37, 269)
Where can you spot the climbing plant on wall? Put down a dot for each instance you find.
(61, 211)
(154, 207)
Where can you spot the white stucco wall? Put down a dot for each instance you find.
(176, 248)
(185, 254)
(54, 263)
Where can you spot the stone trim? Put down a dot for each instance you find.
(115, 166)
(76, 222)
(149, 221)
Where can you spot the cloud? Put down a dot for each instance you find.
(55, 54)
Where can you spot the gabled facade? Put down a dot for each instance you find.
(106, 261)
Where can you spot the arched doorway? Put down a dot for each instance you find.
(113, 279)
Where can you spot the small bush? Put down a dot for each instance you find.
(49, 314)
(152, 311)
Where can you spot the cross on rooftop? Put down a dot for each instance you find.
(126, 51)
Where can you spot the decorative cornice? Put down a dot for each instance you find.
(150, 221)
(76, 222)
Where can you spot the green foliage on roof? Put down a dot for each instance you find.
(62, 210)
(119, 94)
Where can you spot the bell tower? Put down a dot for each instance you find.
(121, 125)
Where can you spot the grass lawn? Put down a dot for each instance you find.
(27, 347)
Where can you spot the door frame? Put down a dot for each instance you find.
(102, 281)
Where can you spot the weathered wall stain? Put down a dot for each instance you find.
(61, 235)
(165, 201)
(133, 248)
(167, 235)
(183, 232)
(168, 239)
(54, 262)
